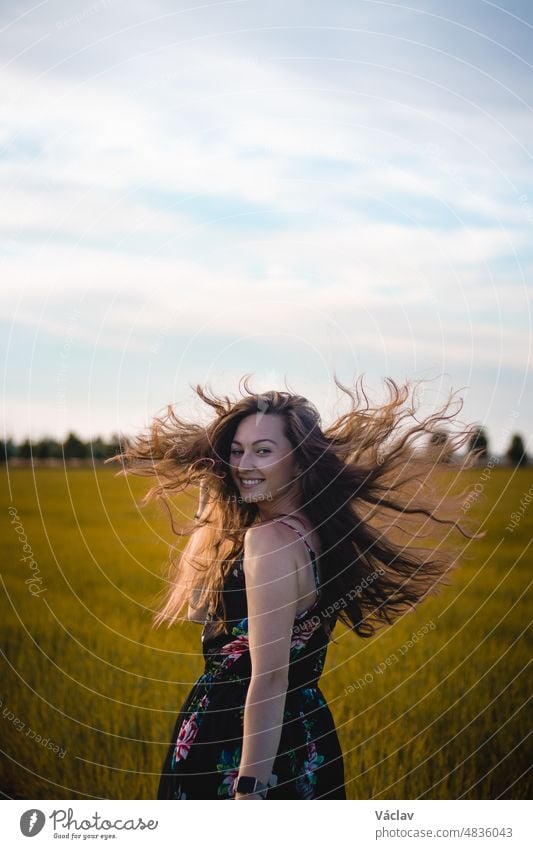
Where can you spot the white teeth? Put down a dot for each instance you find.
(251, 480)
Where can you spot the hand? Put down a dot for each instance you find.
(204, 494)
(248, 796)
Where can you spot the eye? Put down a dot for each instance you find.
(238, 451)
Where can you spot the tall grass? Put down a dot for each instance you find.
(440, 716)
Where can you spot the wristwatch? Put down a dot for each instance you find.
(248, 784)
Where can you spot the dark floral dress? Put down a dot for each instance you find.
(202, 761)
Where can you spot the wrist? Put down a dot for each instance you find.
(250, 787)
(239, 796)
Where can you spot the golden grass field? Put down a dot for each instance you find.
(90, 691)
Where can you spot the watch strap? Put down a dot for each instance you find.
(248, 784)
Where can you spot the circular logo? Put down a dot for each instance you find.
(31, 822)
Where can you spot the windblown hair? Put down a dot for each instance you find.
(369, 491)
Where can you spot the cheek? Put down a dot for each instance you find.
(275, 471)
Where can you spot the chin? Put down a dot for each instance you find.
(251, 498)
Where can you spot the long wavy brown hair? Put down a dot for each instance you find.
(368, 486)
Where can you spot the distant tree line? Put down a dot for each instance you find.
(478, 447)
(97, 449)
(72, 448)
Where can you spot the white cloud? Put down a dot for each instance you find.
(128, 136)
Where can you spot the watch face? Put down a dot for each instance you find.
(245, 784)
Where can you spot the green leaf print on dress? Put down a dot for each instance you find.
(228, 764)
(203, 758)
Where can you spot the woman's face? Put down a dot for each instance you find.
(261, 454)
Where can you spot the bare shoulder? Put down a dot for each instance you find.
(270, 572)
(270, 542)
(271, 535)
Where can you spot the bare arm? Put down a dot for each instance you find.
(272, 598)
(202, 501)
(194, 613)
(197, 614)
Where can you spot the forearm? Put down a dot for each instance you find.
(195, 612)
(202, 500)
(263, 722)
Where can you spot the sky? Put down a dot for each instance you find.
(195, 191)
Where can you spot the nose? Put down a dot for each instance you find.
(244, 467)
(242, 462)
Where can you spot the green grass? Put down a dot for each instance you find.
(83, 668)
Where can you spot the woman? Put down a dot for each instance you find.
(298, 527)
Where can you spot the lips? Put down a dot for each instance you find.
(247, 485)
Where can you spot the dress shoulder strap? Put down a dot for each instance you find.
(299, 534)
(313, 556)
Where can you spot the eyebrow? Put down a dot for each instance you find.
(236, 441)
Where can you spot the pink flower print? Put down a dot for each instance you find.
(228, 765)
(313, 758)
(187, 733)
(229, 783)
(204, 701)
(236, 648)
(304, 787)
(306, 782)
(299, 639)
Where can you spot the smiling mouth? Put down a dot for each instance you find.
(249, 483)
